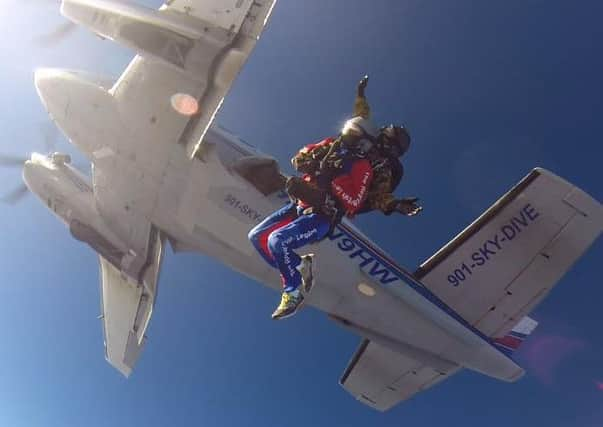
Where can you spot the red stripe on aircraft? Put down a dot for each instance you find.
(509, 341)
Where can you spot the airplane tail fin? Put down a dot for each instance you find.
(516, 336)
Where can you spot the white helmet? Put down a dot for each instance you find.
(360, 128)
(359, 135)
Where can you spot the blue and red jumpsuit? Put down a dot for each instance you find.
(289, 228)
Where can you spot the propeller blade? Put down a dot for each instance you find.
(16, 195)
(12, 161)
(57, 35)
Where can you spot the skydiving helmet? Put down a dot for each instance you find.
(359, 135)
(393, 140)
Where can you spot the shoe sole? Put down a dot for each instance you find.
(309, 284)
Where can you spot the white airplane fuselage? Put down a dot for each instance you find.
(205, 206)
(161, 173)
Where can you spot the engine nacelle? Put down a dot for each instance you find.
(61, 187)
(68, 194)
(81, 106)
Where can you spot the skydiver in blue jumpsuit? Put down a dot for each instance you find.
(313, 211)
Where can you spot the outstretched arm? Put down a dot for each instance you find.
(381, 195)
(408, 206)
(361, 106)
(388, 204)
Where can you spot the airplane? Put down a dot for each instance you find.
(163, 173)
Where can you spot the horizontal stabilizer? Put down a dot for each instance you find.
(381, 378)
(501, 266)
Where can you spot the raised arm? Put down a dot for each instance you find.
(361, 106)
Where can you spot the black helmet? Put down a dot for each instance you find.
(394, 140)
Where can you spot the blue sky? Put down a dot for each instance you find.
(488, 89)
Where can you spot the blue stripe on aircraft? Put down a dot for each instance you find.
(518, 335)
(507, 351)
(416, 285)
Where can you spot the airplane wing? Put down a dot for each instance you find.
(189, 53)
(126, 310)
(381, 378)
(503, 264)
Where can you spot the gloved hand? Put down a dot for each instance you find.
(362, 86)
(408, 206)
(305, 164)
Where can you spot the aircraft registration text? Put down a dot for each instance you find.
(494, 245)
(242, 207)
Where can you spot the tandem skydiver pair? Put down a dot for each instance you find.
(352, 173)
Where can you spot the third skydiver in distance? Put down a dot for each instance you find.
(353, 173)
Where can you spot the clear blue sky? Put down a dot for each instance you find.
(488, 89)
